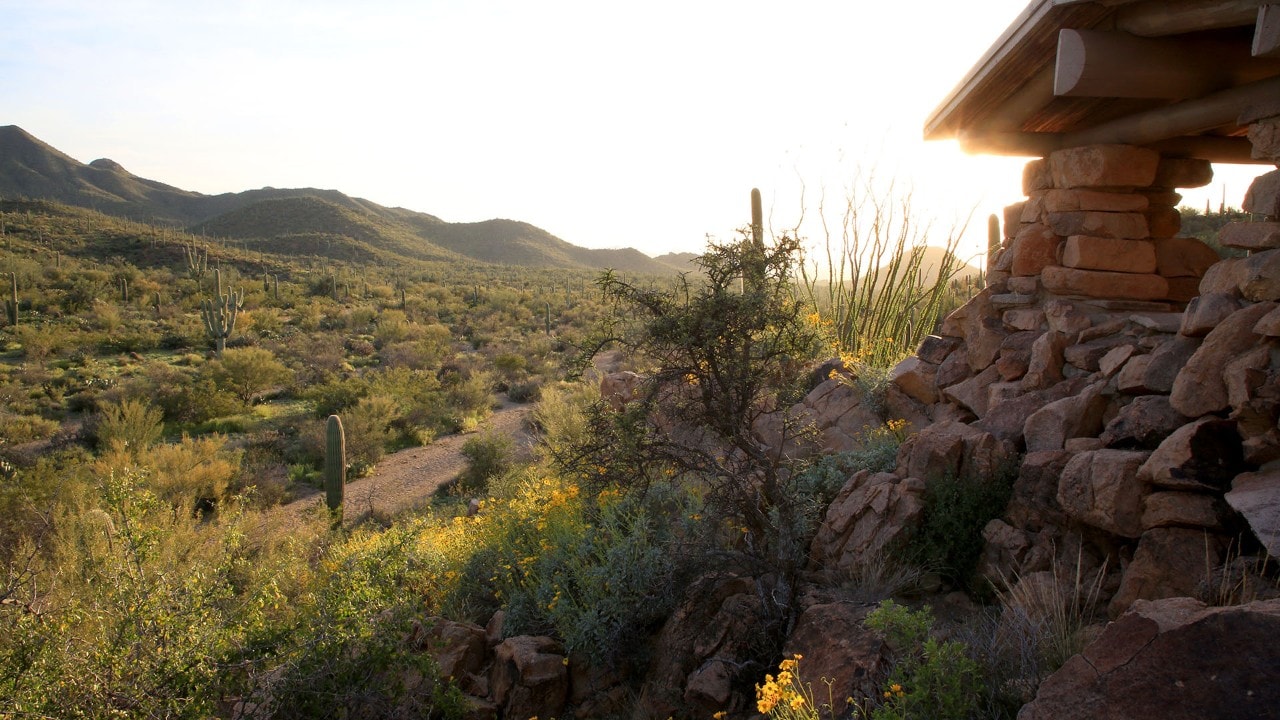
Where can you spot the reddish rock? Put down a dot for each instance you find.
(1200, 388)
(1245, 374)
(1143, 424)
(1116, 358)
(838, 650)
(1183, 173)
(936, 348)
(1203, 455)
(1263, 197)
(871, 514)
(1264, 136)
(1169, 562)
(1162, 222)
(1034, 248)
(1250, 235)
(620, 388)
(1069, 200)
(1066, 318)
(1152, 664)
(1256, 496)
(1006, 418)
(1206, 312)
(1101, 284)
(1097, 253)
(1100, 488)
(978, 323)
(459, 649)
(1269, 324)
(1182, 289)
(1033, 505)
(1132, 226)
(1088, 355)
(952, 449)
(1097, 166)
(1077, 416)
(1183, 257)
(529, 677)
(1023, 319)
(954, 369)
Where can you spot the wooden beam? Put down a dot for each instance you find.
(1100, 63)
(1022, 144)
(1190, 117)
(1234, 150)
(1266, 34)
(1157, 18)
(1029, 99)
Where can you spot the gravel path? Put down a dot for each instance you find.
(407, 479)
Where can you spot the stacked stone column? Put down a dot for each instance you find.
(1100, 224)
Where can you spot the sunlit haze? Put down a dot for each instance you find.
(608, 125)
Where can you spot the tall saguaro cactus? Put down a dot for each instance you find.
(197, 261)
(335, 466)
(220, 317)
(11, 305)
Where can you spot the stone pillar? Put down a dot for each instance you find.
(1263, 198)
(1100, 224)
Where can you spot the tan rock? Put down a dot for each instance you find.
(1100, 488)
(1245, 374)
(1097, 166)
(1033, 249)
(1036, 175)
(1200, 388)
(978, 324)
(1269, 324)
(1100, 284)
(837, 647)
(1143, 424)
(871, 514)
(1115, 358)
(1167, 360)
(1024, 285)
(1206, 312)
(459, 649)
(1160, 198)
(1088, 355)
(1181, 509)
(972, 393)
(1064, 317)
(1183, 173)
(1023, 319)
(1044, 365)
(620, 388)
(1183, 257)
(1224, 276)
(1264, 135)
(1012, 216)
(1256, 496)
(953, 449)
(1169, 563)
(1077, 416)
(1096, 253)
(1071, 200)
(1250, 235)
(935, 348)
(1129, 379)
(1260, 279)
(954, 369)
(1203, 455)
(1032, 210)
(1131, 226)
(1263, 197)
(1033, 504)
(529, 677)
(1007, 416)
(917, 378)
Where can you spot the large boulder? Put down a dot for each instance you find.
(837, 650)
(953, 449)
(1256, 496)
(1100, 488)
(529, 677)
(1203, 455)
(1173, 659)
(1200, 387)
(870, 516)
(1169, 562)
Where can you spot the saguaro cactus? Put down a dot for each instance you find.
(197, 261)
(993, 235)
(547, 320)
(11, 305)
(220, 317)
(335, 466)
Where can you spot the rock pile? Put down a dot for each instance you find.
(1136, 370)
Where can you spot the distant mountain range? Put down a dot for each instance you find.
(298, 220)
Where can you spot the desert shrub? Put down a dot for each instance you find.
(25, 428)
(366, 426)
(196, 400)
(470, 399)
(930, 677)
(191, 472)
(130, 424)
(246, 372)
(956, 509)
(488, 455)
(524, 392)
(335, 395)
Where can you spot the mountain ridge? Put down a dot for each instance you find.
(288, 219)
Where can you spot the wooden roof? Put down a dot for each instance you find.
(1182, 76)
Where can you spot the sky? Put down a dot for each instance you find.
(607, 124)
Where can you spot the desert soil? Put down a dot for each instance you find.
(407, 479)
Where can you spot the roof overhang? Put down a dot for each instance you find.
(1182, 76)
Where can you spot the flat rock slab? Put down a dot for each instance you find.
(1256, 496)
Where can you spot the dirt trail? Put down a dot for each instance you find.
(408, 478)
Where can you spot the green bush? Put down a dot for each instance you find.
(488, 455)
(246, 372)
(956, 509)
(129, 424)
(930, 678)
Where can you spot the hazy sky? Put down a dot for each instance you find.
(607, 124)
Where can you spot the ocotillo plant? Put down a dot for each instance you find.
(11, 305)
(220, 318)
(335, 467)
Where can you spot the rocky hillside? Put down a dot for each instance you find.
(292, 220)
